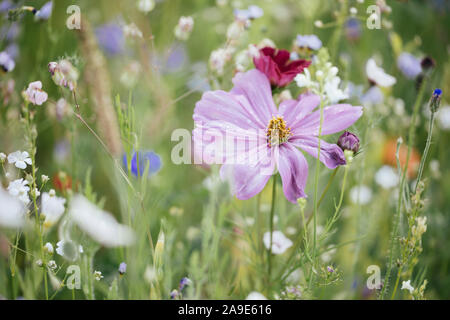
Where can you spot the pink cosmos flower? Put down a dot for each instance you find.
(275, 64)
(248, 124)
(35, 94)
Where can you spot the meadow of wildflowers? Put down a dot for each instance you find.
(228, 149)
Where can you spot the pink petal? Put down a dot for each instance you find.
(223, 106)
(330, 154)
(293, 169)
(246, 180)
(336, 118)
(255, 86)
(294, 111)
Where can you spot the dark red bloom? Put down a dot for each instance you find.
(276, 66)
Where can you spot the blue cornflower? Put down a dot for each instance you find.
(122, 268)
(184, 282)
(146, 158)
(45, 12)
(110, 38)
(353, 29)
(409, 65)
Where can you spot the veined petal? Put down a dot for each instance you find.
(293, 169)
(255, 86)
(246, 180)
(293, 111)
(330, 154)
(223, 106)
(335, 118)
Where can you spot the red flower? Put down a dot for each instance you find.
(276, 66)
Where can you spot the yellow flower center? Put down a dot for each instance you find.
(277, 132)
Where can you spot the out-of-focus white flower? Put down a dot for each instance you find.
(420, 228)
(150, 274)
(129, 75)
(98, 275)
(20, 159)
(146, 6)
(406, 285)
(245, 57)
(304, 80)
(360, 194)
(19, 189)
(353, 11)
(266, 42)
(386, 177)
(131, 30)
(377, 74)
(44, 178)
(98, 224)
(332, 90)
(218, 59)
(318, 23)
(2, 157)
(254, 295)
(48, 247)
(184, 28)
(279, 242)
(235, 30)
(52, 207)
(52, 265)
(12, 211)
(68, 249)
(35, 94)
(443, 117)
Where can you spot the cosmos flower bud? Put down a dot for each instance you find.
(435, 100)
(348, 141)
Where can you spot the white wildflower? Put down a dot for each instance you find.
(146, 6)
(98, 224)
(98, 275)
(279, 242)
(12, 211)
(20, 159)
(386, 177)
(255, 296)
(49, 248)
(406, 285)
(52, 207)
(377, 74)
(19, 189)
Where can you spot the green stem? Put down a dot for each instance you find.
(272, 211)
(425, 152)
(397, 217)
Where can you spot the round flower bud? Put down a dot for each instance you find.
(348, 141)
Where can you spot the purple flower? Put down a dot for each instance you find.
(265, 138)
(146, 158)
(353, 29)
(110, 38)
(308, 41)
(253, 12)
(7, 64)
(372, 96)
(45, 12)
(409, 65)
(348, 141)
(184, 282)
(122, 268)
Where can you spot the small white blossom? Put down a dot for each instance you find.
(39, 262)
(132, 31)
(20, 159)
(52, 207)
(52, 265)
(255, 296)
(360, 194)
(19, 189)
(184, 28)
(406, 285)
(35, 94)
(44, 178)
(279, 242)
(386, 177)
(48, 247)
(146, 6)
(98, 275)
(2, 157)
(68, 249)
(12, 211)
